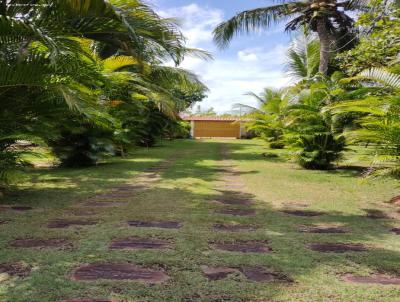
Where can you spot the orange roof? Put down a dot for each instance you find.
(213, 118)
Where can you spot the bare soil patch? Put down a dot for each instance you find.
(89, 300)
(21, 208)
(237, 212)
(262, 274)
(129, 188)
(82, 212)
(373, 279)
(296, 204)
(323, 230)
(119, 271)
(218, 273)
(225, 227)
(106, 204)
(234, 186)
(115, 195)
(303, 213)
(156, 224)
(396, 200)
(375, 214)
(136, 243)
(337, 247)
(153, 170)
(18, 269)
(236, 194)
(40, 243)
(244, 247)
(234, 201)
(396, 231)
(66, 223)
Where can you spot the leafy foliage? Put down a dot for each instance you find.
(118, 48)
(267, 120)
(381, 46)
(327, 18)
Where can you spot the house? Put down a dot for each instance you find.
(214, 126)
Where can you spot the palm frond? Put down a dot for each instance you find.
(249, 21)
(382, 76)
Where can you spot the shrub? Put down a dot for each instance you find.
(277, 145)
(320, 150)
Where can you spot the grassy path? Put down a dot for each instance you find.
(199, 185)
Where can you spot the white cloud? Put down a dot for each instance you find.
(197, 22)
(247, 56)
(230, 80)
(229, 76)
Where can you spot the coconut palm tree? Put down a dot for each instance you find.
(327, 18)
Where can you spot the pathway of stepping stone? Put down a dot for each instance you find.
(89, 300)
(16, 208)
(137, 243)
(396, 200)
(233, 201)
(233, 227)
(302, 213)
(337, 247)
(66, 223)
(376, 214)
(236, 202)
(18, 269)
(156, 224)
(244, 247)
(396, 231)
(322, 230)
(254, 273)
(119, 271)
(372, 279)
(40, 243)
(117, 197)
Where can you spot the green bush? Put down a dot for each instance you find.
(277, 145)
(320, 150)
(82, 145)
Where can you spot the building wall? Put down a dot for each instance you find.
(216, 129)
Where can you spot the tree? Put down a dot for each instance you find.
(309, 127)
(327, 18)
(381, 46)
(117, 46)
(379, 117)
(267, 120)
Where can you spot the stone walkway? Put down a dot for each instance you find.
(232, 200)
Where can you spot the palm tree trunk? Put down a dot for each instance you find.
(324, 40)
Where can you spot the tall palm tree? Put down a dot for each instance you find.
(327, 18)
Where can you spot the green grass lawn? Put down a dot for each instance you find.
(183, 193)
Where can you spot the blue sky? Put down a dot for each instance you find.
(249, 64)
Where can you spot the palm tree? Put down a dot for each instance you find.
(310, 128)
(267, 119)
(379, 116)
(327, 18)
(43, 43)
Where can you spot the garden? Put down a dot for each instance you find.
(105, 198)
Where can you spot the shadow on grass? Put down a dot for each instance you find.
(291, 255)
